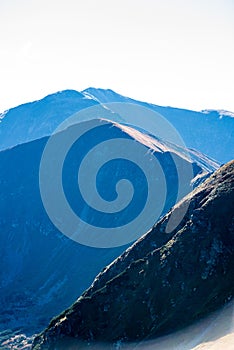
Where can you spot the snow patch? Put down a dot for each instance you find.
(222, 112)
(2, 115)
(90, 97)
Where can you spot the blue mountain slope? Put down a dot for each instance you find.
(42, 271)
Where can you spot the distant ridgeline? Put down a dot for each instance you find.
(210, 132)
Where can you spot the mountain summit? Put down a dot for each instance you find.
(202, 131)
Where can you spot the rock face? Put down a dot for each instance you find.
(164, 281)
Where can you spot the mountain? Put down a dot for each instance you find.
(44, 271)
(163, 282)
(202, 131)
(40, 118)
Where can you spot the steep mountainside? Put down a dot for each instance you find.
(162, 282)
(42, 271)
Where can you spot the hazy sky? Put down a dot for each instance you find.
(169, 52)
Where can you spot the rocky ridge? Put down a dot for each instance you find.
(162, 282)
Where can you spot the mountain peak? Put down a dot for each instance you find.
(69, 93)
(105, 95)
(39, 118)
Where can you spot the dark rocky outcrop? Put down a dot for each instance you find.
(164, 281)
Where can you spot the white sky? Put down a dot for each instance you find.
(168, 52)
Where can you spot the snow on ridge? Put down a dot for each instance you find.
(2, 115)
(226, 113)
(221, 112)
(90, 96)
